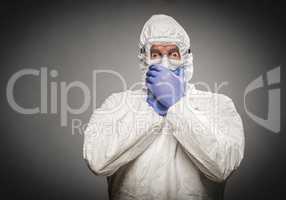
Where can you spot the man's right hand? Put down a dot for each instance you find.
(166, 86)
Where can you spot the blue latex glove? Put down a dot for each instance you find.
(156, 105)
(165, 85)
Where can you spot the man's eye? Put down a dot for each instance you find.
(154, 55)
(175, 54)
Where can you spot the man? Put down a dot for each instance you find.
(167, 140)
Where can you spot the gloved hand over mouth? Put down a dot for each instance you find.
(165, 87)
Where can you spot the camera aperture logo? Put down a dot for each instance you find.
(271, 84)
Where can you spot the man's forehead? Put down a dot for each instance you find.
(165, 46)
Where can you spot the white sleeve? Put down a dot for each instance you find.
(213, 138)
(116, 135)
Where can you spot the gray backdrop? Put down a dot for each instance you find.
(231, 41)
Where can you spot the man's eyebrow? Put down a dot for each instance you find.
(174, 50)
(155, 51)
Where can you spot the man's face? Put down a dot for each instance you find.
(170, 50)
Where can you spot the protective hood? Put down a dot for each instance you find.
(164, 29)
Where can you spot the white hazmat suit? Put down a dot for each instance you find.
(186, 155)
